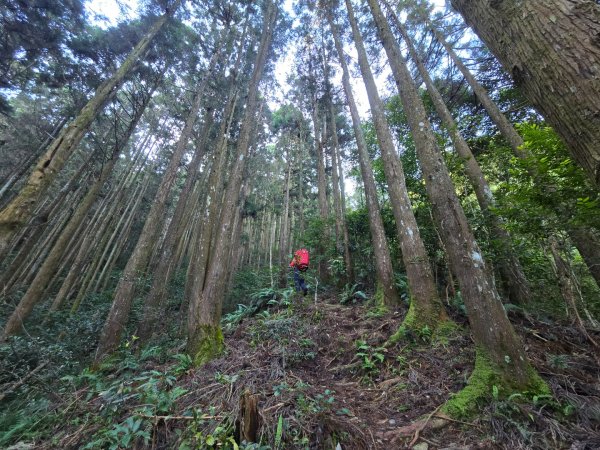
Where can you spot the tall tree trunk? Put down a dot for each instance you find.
(426, 309)
(153, 305)
(510, 268)
(284, 235)
(501, 358)
(504, 126)
(138, 261)
(25, 165)
(338, 201)
(321, 189)
(205, 339)
(567, 283)
(587, 242)
(551, 50)
(48, 268)
(87, 285)
(43, 214)
(386, 288)
(20, 209)
(209, 211)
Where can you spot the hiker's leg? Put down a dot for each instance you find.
(297, 280)
(303, 285)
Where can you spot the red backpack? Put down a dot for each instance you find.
(302, 259)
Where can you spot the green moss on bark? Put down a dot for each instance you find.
(439, 328)
(445, 330)
(206, 344)
(379, 297)
(481, 383)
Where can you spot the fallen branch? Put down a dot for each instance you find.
(418, 430)
(277, 406)
(445, 417)
(157, 418)
(22, 381)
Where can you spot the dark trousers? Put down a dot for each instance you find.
(299, 281)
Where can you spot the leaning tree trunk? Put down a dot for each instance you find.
(154, 303)
(567, 283)
(138, 261)
(426, 309)
(386, 289)
(504, 126)
(205, 338)
(20, 209)
(551, 50)
(49, 267)
(507, 131)
(511, 271)
(587, 242)
(501, 358)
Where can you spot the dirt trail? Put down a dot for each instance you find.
(323, 380)
(322, 369)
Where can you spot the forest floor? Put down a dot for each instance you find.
(322, 378)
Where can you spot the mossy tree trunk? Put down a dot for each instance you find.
(50, 266)
(205, 339)
(20, 209)
(138, 261)
(427, 309)
(154, 303)
(493, 334)
(509, 266)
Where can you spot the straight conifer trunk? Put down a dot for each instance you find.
(551, 50)
(138, 261)
(426, 307)
(205, 338)
(386, 289)
(154, 304)
(510, 268)
(516, 143)
(20, 209)
(501, 357)
(338, 200)
(36, 289)
(284, 235)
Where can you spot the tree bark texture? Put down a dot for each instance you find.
(343, 240)
(153, 305)
(493, 333)
(511, 271)
(552, 51)
(284, 235)
(138, 261)
(205, 339)
(427, 308)
(48, 268)
(383, 263)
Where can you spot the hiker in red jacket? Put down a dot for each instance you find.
(300, 264)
